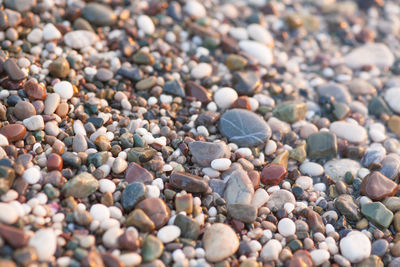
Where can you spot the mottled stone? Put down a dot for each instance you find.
(273, 174)
(156, 209)
(239, 188)
(377, 186)
(188, 182)
(136, 173)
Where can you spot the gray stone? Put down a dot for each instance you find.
(242, 212)
(279, 198)
(205, 152)
(337, 91)
(81, 186)
(133, 194)
(239, 188)
(391, 166)
(99, 14)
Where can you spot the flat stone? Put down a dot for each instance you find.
(374, 54)
(35, 90)
(337, 168)
(291, 111)
(99, 15)
(338, 91)
(301, 258)
(394, 124)
(188, 182)
(136, 173)
(205, 152)
(239, 188)
(376, 186)
(143, 58)
(242, 212)
(392, 203)
(71, 160)
(23, 110)
(141, 154)
(259, 51)
(197, 91)
(98, 159)
(373, 155)
(346, 205)
(59, 67)
(13, 70)
(54, 162)
(81, 186)
(140, 220)
(349, 131)
(152, 248)
(378, 214)
(175, 88)
(51, 103)
(273, 174)
(129, 240)
(372, 260)
(219, 242)
(13, 236)
(378, 106)
(13, 132)
(133, 194)
(359, 86)
(146, 83)
(45, 243)
(156, 209)
(20, 5)
(244, 127)
(235, 62)
(380, 247)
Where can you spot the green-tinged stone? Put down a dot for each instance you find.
(394, 124)
(362, 224)
(332, 191)
(143, 58)
(25, 256)
(211, 42)
(140, 220)
(242, 212)
(80, 253)
(371, 261)
(99, 15)
(7, 176)
(348, 178)
(51, 191)
(133, 194)
(346, 205)
(184, 203)
(322, 145)
(152, 248)
(81, 186)
(294, 21)
(141, 154)
(174, 87)
(282, 159)
(71, 160)
(82, 24)
(146, 83)
(98, 159)
(340, 110)
(59, 67)
(189, 227)
(178, 168)
(377, 213)
(127, 140)
(392, 203)
(377, 106)
(291, 111)
(295, 245)
(235, 62)
(299, 153)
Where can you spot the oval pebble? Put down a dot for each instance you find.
(169, 233)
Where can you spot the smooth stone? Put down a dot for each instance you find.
(140, 220)
(373, 155)
(71, 160)
(174, 87)
(376, 186)
(79, 143)
(80, 39)
(225, 97)
(59, 68)
(195, 9)
(34, 123)
(244, 127)
(321, 145)
(13, 70)
(271, 250)
(319, 256)
(98, 14)
(98, 159)
(13, 236)
(201, 71)
(337, 168)
(273, 174)
(64, 89)
(24, 110)
(146, 83)
(99, 212)
(279, 198)
(338, 91)
(235, 62)
(45, 243)
(81, 186)
(346, 205)
(143, 58)
(188, 182)
(301, 258)
(219, 242)
(311, 168)
(197, 91)
(20, 5)
(359, 86)
(50, 32)
(349, 131)
(129, 240)
(145, 23)
(239, 188)
(286, 227)
(394, 124)
(291, 111)
(392, 98)
(51, 103)
(119, 165)
(242, 212)
(8, 214)
(258, 50)
(355, 246)
(141, 154)
(54, 162)
(260, 34)
(136, 173)
(188, 226)
(35, 90)
(152, 248)
(205, 152)
(156, 209)
(133, 194)
(380, 247)
(378, 214)
(13, 132)
(246, 82)
(392, 203)
(168, 233)
(314, 221)
(375, 54)
(372, 260)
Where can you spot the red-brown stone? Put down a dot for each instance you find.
(242, 102)
(35, 90)
(302, 258)
(377, 186)
(197, 91)
(156, 209)
(254, 178)
(136, 173)
(54, 162)
(13, 132)
(273, 174)
(13, 236)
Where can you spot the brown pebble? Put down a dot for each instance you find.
(197, 91)
(13, 132)
(62, 109)
(156, 209)
(301, 258)
(136, 173)
(273, 174)
(35, 90)
(13, 236)
(377, 186)
(54, 162)
(242, 102)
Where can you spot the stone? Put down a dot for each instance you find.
(51, 103)
(244, 127)
(98, 159)
(13, 70)
(311, 168)
(321, 145)
(301, 258)
(45, 243)
(136, 173)
(279, 198)
(133, 194)
(260, 34)
(152, 248)
(394, 124)
(392, 203)
(349, 131)
(175, 88)
(339, 92)
(273, 174)
(197, 91)
(286, 227)
(376, 186)
(13, 236)
(119, 165)
(291, 111)
(314, 221)
(129, 240)
(146, 83)
(99, 212)
(239, 188)
(156, 209)
(242, 212)
(205, 152)
(72, 160)
(246, 82)
(25, 256)
(24, 110)
(140, 220)
(188, 226)
(378, 214)
(8, 214)
(80, 39)
(201, 70)
(34, 123)
(259, 51)
(168, 233)
(219, 242)
(235, 62)
(140, 154)
(145, 23)
(225, 97)
(188, 182)
(319, 256)
(380, 247)
(59, 67)
(378, 106)
(64, 89)
(392, 98)
(355, 246)
(359, 86)
(143, 58)
(99, 15)
(346, 205)
(50, 32)
(13, 132)
(93, 258)
(373, 155)
(54, 162)
(271, 250)
(337, 168)
(81, 186)
(372, 260)
(35, 90)
(375, 54)
(20, 5)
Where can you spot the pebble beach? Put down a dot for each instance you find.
(199, 133)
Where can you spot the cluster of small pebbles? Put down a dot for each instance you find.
(199, 133)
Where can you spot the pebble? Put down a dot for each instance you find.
(13, 132)
(271, 250)
(136, 173)
(64, 89)
(168, 233)
(50, 32)
(286, 227)
(311, 168)
(81, 186)
(261, 52)
(225, 97)
(24, 110)
(375, 54)
(201, 71)
(99, 15)
(34, 123)
(349, 131)
(99, 212)
(195, 9)
(319, 256)
(80, 39)
(45, 243)
(273, 174)
(239, 188)
(376, 186)
(337, 168)
(221, 164)
(219, 242)
(32, 175)
(146, 24)
(8, 214)
(392, 97)
(203, 153)
(355, 246)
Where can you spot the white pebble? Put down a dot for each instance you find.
(64, 89)
(311, 168)
(286, 227)
(145, 23)
(319, 256)
(169, 233)
(99, 212)
(221, 164)
(225, 97)
(8, 213)
(106, 185)
(32, 175)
